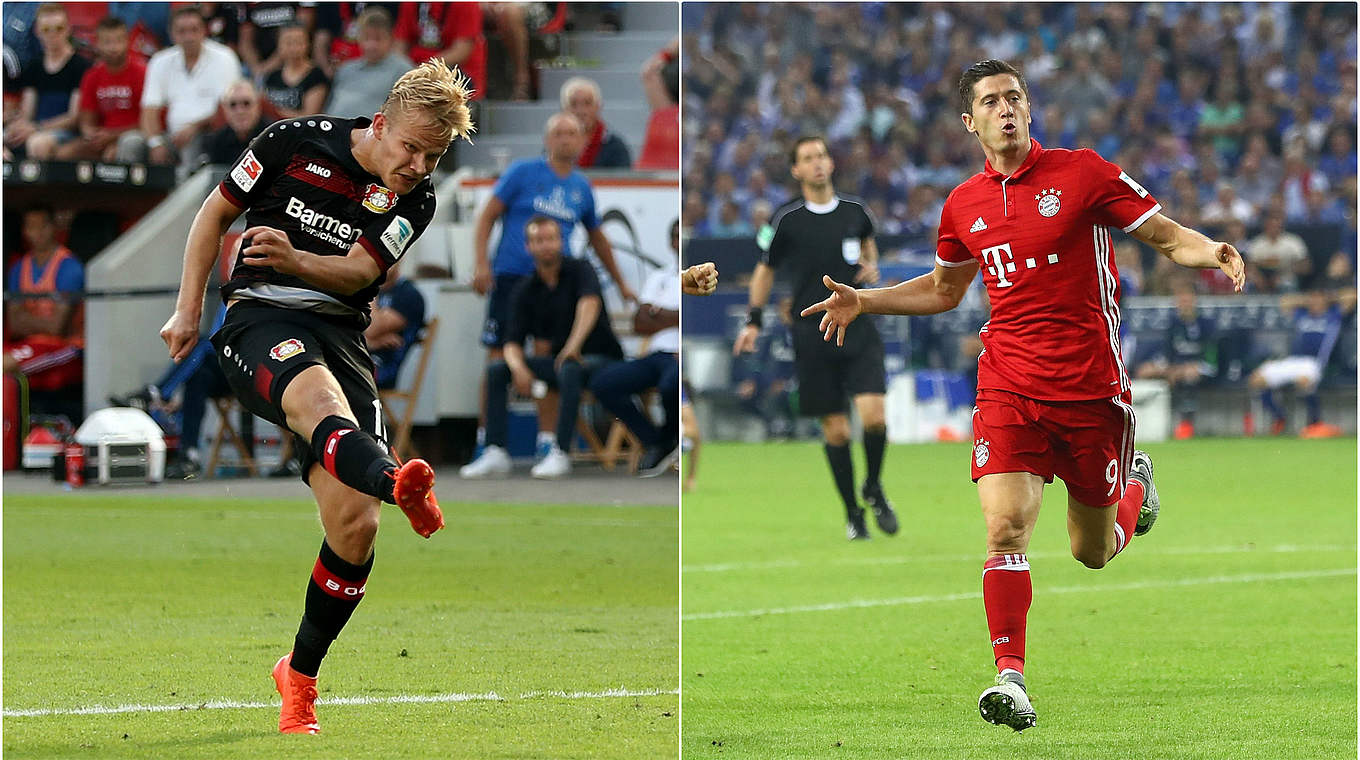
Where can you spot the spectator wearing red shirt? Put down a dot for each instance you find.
(661, 82)
(452, 31)
(110, 97)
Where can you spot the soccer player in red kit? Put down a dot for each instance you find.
(1053, 392)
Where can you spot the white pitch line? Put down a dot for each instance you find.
(223, 704)
(903, 600)
(725, 567)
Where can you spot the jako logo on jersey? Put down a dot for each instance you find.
(247, 171)
(981, 454)
(379, 199)
(288, 348)
(319, 171)
(299, 211)
(1048, 202)
(397, 234)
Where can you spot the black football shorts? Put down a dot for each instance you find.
(261, 348)
(830, 375)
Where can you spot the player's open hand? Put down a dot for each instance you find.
(1230, 263)
(700, 279)
(269, 248)
(839, 310)
(180, 334)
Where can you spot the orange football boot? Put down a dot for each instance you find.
(298, 715)
(414, 493)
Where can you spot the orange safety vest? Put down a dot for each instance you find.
(46, 307)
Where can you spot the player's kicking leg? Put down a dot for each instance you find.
(1010, 507)
(316, 408)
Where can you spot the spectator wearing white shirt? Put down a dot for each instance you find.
(1280, 258)
(1226, 206)
(658, 317)
(183, 86)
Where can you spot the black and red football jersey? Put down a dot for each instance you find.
(300, 176)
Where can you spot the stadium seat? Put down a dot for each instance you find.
(399, 425)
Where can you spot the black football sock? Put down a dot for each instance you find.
(875, 441)
(843, 472)
(354, 457)
(335, 589)
(1314, 408)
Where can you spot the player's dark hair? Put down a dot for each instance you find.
(109, 24)
(803, 140)
(981, 70)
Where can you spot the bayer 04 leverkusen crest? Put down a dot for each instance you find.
(379, 199)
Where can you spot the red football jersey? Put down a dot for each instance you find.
(1042, 238)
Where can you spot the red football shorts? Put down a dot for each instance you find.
(1089, 444)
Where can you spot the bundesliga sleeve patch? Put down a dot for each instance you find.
(247, 171)
(397, 235)
(287, 348)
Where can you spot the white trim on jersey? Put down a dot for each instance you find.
(1126, 442)
(1109, 307)
(952, 264)
(1146, 216)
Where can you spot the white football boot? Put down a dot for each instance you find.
(1007, 704)
(1142, 472)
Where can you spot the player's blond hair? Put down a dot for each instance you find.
(438, 91)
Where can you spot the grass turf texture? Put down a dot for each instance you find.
(1145, 658)
(114, 600)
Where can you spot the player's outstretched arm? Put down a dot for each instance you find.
(346, 274)
(940, 290)
(216, 214)
(1190, 248)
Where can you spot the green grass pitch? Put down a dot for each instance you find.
(528, 632)
(1228, 631)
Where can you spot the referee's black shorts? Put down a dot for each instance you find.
(261, 348)
(830, 375)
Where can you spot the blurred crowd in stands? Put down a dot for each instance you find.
(1239, 117)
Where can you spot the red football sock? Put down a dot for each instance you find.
(1126, 518)
(1006, 593)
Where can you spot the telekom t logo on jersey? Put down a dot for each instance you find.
(1001, 262)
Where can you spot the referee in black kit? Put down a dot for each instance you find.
(812, 235)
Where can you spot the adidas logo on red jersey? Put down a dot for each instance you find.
(978, 226)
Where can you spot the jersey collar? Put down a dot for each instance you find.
(823, 208)
(1034, 150)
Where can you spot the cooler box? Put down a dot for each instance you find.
(122, 445)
